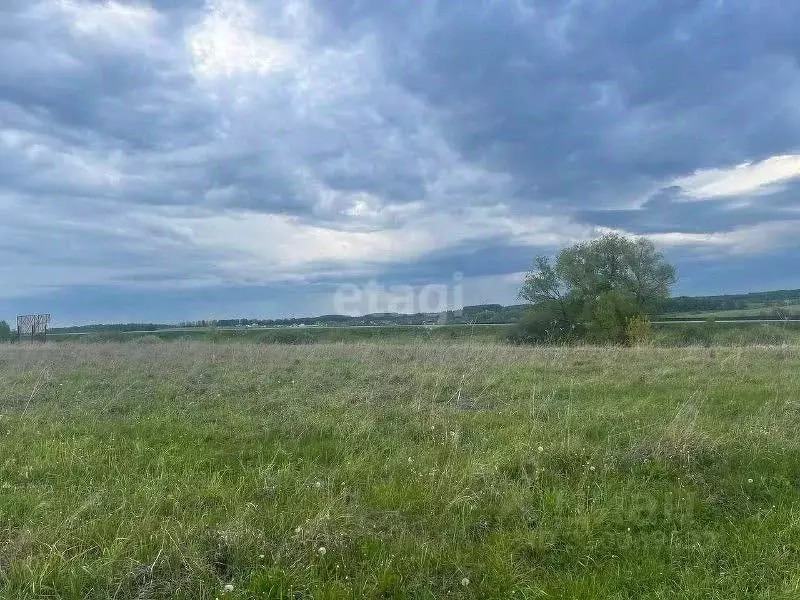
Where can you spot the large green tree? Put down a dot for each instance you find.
(593, 289)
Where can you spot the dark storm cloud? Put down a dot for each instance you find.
(590, 102)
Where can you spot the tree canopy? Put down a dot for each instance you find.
(594, 289)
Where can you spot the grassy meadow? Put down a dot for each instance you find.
(665, 334)
(191, 469)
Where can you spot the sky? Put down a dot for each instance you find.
(171, 160)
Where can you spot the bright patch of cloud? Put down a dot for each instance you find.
(748, 178)
(228, 42)
(267, 247)
(748, 239)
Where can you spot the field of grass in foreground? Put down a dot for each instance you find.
(172, 470)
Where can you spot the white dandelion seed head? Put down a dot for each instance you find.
(228, 588)
(464, 582)
(322, 551)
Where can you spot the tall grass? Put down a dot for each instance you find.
(173, 470)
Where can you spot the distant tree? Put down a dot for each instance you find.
(5, 332)
(592, 290)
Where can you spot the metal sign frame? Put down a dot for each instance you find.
(33, 325)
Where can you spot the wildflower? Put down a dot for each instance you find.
(228, 588)
(540, 448)
(465, 582)
(322, 551)
(318, 485)
(591, 468)
(261, 556)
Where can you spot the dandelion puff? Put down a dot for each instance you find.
(322, 551)
(749, 481)
(228, 588)
(465, 582)
(540, 448)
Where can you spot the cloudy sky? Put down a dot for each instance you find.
(186, 159)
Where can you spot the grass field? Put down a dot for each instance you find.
(308, 335)
(671, 334)
(370, 470)
(764, 312)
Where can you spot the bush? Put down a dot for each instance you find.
(608, 323)
(541, 325)
(638, 331)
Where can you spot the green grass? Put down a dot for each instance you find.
(667, 334)
(308, 335)
(764, 312)
(169, 470)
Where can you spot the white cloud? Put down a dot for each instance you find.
(748, 239)
(256, 247)
(748, 178)
(228, 41)
(112, 20)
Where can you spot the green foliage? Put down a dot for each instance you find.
(544, 324)
(5, 332)
(609, 320)
(638, 331)
(595, 288)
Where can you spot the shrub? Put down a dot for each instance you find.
(541, 325)
(638, 331)
(609, 319)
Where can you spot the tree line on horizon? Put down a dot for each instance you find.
(599, 290)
